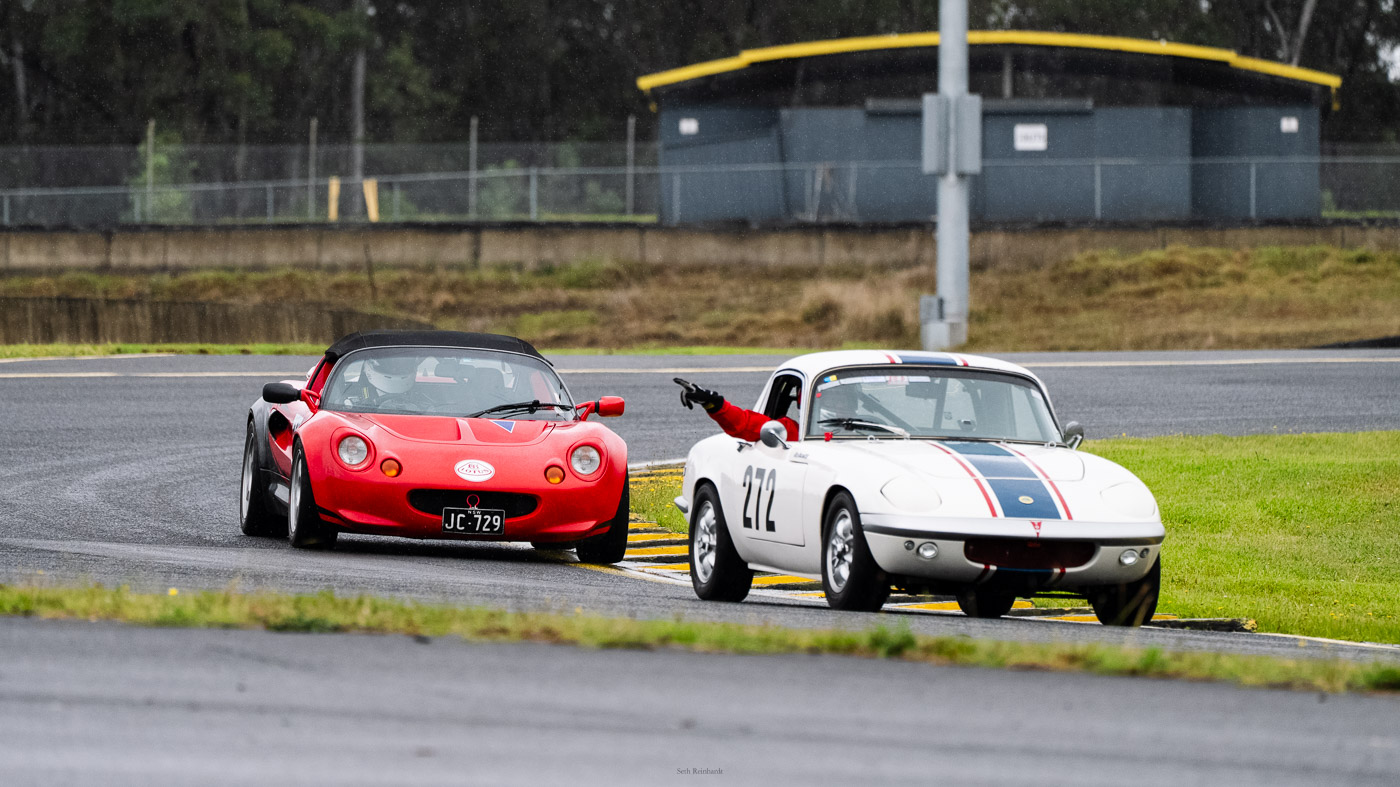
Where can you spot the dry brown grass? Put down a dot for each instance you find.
(1177, 298)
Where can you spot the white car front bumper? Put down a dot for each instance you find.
(894, 542)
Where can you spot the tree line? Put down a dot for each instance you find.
(258, 71)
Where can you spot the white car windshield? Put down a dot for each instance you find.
(930, 402)
(455, 382)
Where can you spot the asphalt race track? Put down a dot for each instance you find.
(125, 471)
(111, 705)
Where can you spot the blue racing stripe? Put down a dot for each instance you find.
(932, 359)
(1011, 479)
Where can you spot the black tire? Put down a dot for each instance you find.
(716, 570)
(610, 546)
(851, 578)
(255, 516)
(305, 528)
(1131, 604)
(985, 604)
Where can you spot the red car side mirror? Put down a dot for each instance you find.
(611, 406)
(312, 399)
(606, 407)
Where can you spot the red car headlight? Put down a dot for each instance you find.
(585, 460)
(353, 450)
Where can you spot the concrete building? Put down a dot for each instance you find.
(1075, 128)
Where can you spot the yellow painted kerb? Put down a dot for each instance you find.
(986, 37)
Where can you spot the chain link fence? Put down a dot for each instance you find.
(217, 185)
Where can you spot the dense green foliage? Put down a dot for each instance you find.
(256, 71)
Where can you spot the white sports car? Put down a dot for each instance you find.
(929, 472)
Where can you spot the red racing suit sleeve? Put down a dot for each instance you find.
(744, 424)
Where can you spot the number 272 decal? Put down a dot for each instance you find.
(758, 481)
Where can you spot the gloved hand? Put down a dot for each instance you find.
(692, 394)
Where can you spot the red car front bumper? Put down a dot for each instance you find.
(410, 505)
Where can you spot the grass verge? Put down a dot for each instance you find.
(325, 612)
(1294, 531)
(1173, 298)
(88, 350)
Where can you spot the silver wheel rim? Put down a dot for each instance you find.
(245, 500)
(294, 501)
(706, 541)
(839, 544)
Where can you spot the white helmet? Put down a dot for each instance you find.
(392, 375)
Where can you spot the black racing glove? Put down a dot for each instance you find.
(692, 394)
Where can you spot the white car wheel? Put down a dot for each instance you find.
(705, 542)
(838, 550)
(716, 571)
(851, 578)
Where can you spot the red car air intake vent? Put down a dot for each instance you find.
(433, 501)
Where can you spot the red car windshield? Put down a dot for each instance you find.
(447, 382)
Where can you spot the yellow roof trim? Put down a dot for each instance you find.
(986, 37)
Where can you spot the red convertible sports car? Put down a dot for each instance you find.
(435, 434)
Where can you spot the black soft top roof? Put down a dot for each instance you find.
(386, 338)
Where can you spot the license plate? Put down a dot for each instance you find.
(475, 521)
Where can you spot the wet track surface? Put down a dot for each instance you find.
(125, 471)
(128, 474)
(111, 705)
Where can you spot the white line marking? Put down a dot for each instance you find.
(656, 464)
(80, 375)
(695, 370)
(1204, 362)
(711, 369)
(124, 356)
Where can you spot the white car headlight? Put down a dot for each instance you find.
(1131, 499)
(585, 460)
(909, 494)
(353, 451)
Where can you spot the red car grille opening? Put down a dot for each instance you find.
(1034, 554)
(433, 501)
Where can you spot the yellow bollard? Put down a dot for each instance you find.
(371, 189)
(333, 199)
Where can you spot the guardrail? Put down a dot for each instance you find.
(1007, 190)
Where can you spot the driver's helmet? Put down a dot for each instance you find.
(838, 401)
(394, 375)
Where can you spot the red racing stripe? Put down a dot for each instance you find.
(980, 486)
(1046, 478)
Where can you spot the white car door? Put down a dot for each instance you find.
(761, 487)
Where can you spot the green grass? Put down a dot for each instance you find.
(1298, 532)
(652, 496)
(325, 612)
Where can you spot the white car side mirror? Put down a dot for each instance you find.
(773, 434)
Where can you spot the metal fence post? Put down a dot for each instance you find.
(851, 193)
(676, 198)
(7, 210)
(534, 193)
(1098, 190)
(311, 173)
(268, 197)
(1253, 201)
(631, 159)
(471, 168)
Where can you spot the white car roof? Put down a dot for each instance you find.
(813, 364)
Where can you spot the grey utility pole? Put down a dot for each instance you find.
(953, 149)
